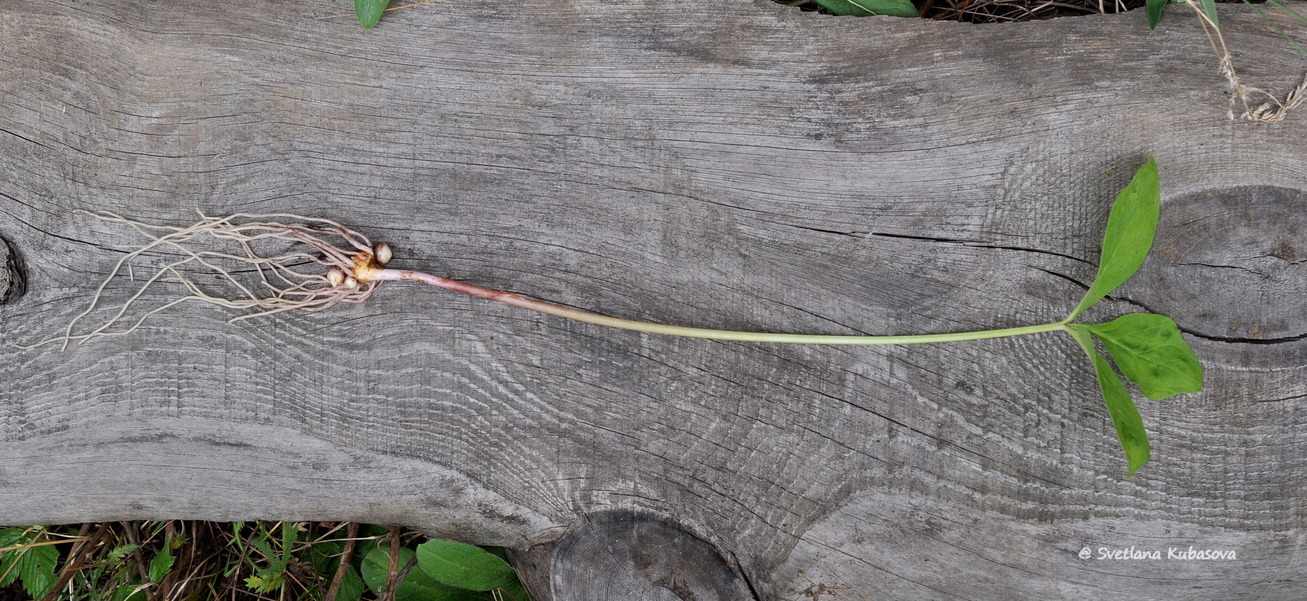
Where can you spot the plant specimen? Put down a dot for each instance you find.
(283, 262)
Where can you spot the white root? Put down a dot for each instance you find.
(264, 263)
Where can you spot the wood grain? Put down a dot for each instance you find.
(723, 165)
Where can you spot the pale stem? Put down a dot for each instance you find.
(523, 302)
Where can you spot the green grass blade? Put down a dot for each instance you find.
(1277, 27)
(1283, 8)
(369, 11)
(1209, 7)
(1151, 353)
(867, 8)
(1130, 229)
(1125, 417)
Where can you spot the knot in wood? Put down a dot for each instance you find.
(12, 282)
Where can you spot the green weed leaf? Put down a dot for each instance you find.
(369, 11)
(161, 565)
(120, 552)
(266, 581)
(8, 538)
(464, 566)
(36, 570)
(1130, 229)
(1125, 417)
(351, 587)
(1150, 352)
(417, 586)
(867, 8)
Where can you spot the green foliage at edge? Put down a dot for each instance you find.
(8, 538)
(161, 565)
(1209, 7)
(33, 566)
(867, 8)
(1154, 8)
(464, 566)
(369, 11)
(416, 586)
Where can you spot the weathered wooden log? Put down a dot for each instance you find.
(732, 165)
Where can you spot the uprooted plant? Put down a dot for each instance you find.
(272, 263)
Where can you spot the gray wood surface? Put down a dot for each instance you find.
(736, 165)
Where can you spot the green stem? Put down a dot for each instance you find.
(518, 300)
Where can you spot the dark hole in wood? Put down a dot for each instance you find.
(12, 281)
(625, 555)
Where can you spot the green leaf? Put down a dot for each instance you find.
(36, 569)
(1125, 417)
(1150, 352)
(117, 554)
(161, 565)
(351, 587)
(1130, 229)
(369, 11)
(417, 586)
(1154, 8)
(464, 566)
(289, 534)
(8, 538)
(1209, 7)
(323, 556)
(266, 581)
(867, 8)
